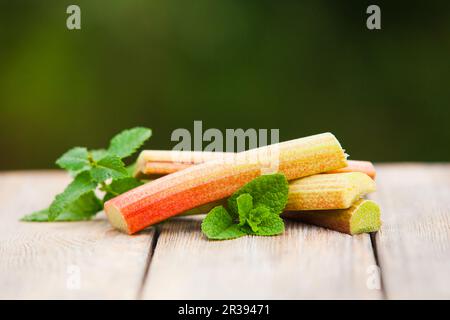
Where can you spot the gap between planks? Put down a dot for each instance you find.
(373, 241)
(152, 249)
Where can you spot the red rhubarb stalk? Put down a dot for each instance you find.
(162, 162)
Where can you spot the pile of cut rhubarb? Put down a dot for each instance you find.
(325, 188)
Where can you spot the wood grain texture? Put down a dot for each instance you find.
(413, 245)
(39, 260)
(304, 262)
(74, 260)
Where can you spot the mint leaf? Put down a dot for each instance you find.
(37, 216)
(75, 160)
(219, 225)
(131, 168)
(81, 185)
(256, 205)
(127, 142)
(108, 167)
(245, 204)
(270, 225)
(82, 209)
(268, 190)
(98, 154)
(257, 215)
(120, 186)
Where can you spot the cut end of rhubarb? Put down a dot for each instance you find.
(140, 164)
(116, 218)
(358, 185)
(365, 217)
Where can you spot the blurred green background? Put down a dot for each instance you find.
(301, 66)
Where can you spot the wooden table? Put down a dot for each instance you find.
(174, 261)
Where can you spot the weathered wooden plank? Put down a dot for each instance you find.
(304, 262)
(63, 260)
(42, 260)
(413, 245)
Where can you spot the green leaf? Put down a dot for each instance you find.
(37, 216)
(244, 204)
(109, 167)
(256, 205)
(270, 225)
(257, 215)
(270, 191)
(98, 154)
(82, 209)
(75, 160)
(120, 186)
(131, 168)
(85, 207)
(127, 142)
(219, 225)
(81, 185)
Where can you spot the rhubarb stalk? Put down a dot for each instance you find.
(162, 162)
(328, 191)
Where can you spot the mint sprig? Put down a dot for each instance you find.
(82, 209)
(252, 210)
(102, 170)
